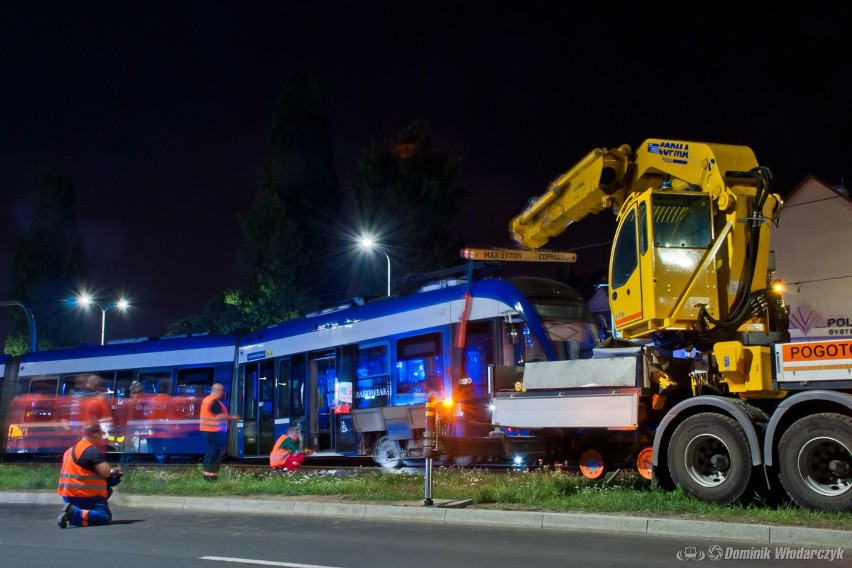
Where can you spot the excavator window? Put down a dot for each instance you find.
(625, 257)
(681, 220)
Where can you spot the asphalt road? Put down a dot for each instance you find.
(148, 536)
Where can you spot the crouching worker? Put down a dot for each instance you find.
(86, 482)
(287, 455)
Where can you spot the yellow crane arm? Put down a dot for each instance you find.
(592, 185)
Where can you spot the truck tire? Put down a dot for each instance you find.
(593, 463)
(815, 462)
(387, 453)
(709, 458)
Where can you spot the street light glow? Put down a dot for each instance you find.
(368, 243)
(121, 304)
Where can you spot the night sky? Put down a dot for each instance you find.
(160, 112)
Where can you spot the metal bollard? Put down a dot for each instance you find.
(429, 447)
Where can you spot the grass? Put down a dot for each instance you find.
(555, 491)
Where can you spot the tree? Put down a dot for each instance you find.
(301, 169)
(269, 262)
(406, 196)
(48, 264)
(285, 253)
(285, 259)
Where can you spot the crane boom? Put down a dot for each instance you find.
(691, 253)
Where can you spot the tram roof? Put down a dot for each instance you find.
(510, 290)
(153, 345)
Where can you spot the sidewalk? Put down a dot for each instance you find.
(455, 512)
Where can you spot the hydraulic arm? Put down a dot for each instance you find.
(690, 259)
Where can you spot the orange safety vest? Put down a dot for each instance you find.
(209, 421)
(279, 455)
(76, 481)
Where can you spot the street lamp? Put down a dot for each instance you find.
(367, 243)
(121, 305)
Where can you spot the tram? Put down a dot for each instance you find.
(145, 393)
(353, 378)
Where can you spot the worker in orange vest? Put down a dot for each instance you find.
(287, 453)
(86, 481)
(214, 425)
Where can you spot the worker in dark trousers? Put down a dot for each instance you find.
(86, 481)
(213, 424)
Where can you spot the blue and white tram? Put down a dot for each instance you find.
(145, 393)
(355, 379)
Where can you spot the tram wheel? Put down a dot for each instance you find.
(464, 461)
(387, 453)
(592, 463)
(644, 463)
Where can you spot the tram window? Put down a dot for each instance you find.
(155, 382)
(45, 385)
(192, 386)
(298, 372)
(266, 387)
(252, 372)
(37, 405)
(121, 389)
(372, 376)
(83, 382)
(418, 368)
(283, 389)
(194, 382)
(478, 355)
(66, 386)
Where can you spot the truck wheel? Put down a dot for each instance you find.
(709, 458)
(645, 464)
(387, 453)
(815, 462)
(593, 463)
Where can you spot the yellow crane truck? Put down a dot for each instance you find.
(701, 384)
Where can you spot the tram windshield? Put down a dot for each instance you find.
(570, 331)
(570, 338)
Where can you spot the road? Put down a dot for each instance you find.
(150, 537)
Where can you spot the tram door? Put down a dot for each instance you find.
(322, 379)
(331, 428)
(259, 408)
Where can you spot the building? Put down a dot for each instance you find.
(812, 260)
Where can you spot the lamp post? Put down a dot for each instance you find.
(121, 304)
(367, 243)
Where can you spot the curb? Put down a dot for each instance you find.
(449, 513)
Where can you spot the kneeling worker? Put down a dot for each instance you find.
(287, 454)
(86, 482)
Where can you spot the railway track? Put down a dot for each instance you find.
(331, 465)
